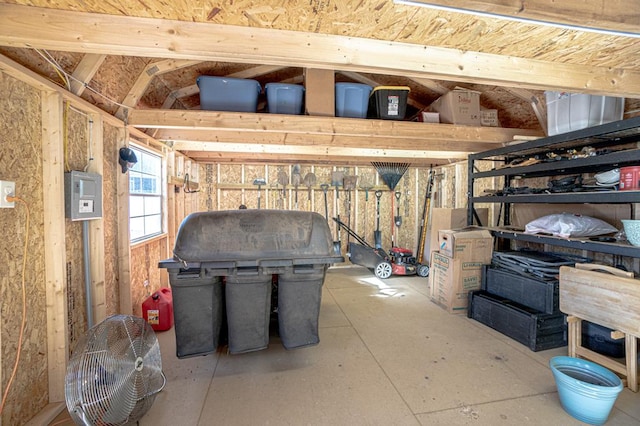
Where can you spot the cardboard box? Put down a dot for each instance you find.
(429, 117)
(319, 92)
(450, 281)
(458, 107)
(489, 118)
(447, 218)
(468, 245)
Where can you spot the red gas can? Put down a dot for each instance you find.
(157, 310)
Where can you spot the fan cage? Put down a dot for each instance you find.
(114, 373)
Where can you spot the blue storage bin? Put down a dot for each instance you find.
(352, 99)
(284, 98)
(228, 94)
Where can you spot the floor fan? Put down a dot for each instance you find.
(114, 373)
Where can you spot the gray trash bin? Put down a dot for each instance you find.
(245, 248)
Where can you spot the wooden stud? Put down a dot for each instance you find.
(96, 226)
(54, 243)
(124, 243)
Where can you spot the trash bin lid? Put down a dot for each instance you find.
(244, 235)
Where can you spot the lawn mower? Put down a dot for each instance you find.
(397, 261)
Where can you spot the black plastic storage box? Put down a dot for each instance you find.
(598, 338)
(537, 330)
(532, 292)
(388, 102)
(245, 248)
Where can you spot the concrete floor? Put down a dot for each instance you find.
(387, 356)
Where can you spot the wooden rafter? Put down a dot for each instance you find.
(143, 81)
(85, 71)
(22, 26)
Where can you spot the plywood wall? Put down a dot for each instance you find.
(21, 162)
(146, 277)
(227, 186)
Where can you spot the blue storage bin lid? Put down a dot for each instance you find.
(284, 86)
(228, 80)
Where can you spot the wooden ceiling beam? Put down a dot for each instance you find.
(612, 15)
(30, 27)
(190, 139)
(356, 158)
(387, 130)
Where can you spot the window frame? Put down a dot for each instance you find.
(142, 151)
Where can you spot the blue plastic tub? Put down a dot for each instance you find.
(352, 100)
(228, 94)
(587, 390)
(284, 98)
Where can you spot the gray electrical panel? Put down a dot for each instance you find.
(83, 195)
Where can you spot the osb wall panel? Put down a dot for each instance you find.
(110, 218)
(227, 186)
(76, 158)
(146, 277)
(21, 162)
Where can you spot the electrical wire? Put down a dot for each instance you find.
(24, 302)
(68, 76)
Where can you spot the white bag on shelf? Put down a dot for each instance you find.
(567, 225)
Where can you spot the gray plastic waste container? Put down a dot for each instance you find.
(244, 249)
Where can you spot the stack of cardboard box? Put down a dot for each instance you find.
(456, 268)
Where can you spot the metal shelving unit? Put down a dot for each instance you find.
(607, 139)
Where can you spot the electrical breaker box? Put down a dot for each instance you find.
(83, 195)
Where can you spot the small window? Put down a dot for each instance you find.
(145, 195)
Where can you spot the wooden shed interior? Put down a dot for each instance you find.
(79, 80)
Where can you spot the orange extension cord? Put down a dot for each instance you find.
(24, 303)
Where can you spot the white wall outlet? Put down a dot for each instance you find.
(7, 188)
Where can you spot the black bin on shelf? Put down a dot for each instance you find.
(245, 249)
(388, 102)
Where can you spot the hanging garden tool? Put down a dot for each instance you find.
(283, 179)
(366, 184)
(325, 187)
(295, 181)
(336, 180)
(422, 239)
(349, 184)
(398, 218)
(377, 235)
(309, 180)
(391, 173)
(259, 182)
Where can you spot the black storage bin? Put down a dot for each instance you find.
(299, 296)
(535, 293)
(248, 247)
(388, 102)
(598, 338)
(248, 311)
(537, 330)
(197, 311)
